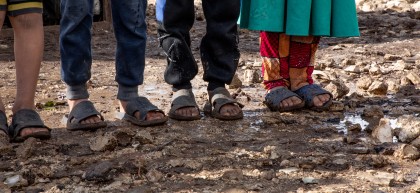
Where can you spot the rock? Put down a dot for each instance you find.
(354, 128)
(392, 57)
(399, 65)
(251, 76)
(393, 85)
(379, 178)
(99, 172)
(309, 180)
(143, 137)
(337, 88)
(414, 78)
(373, 111)
(5, 146)
(364, 82)
(106, 142)
(407, 152)
(386, 148)
(154, 175)
(359, 150)
(268, 175)
(236, 82)
(405, 81)
(235, 174)
(337, 106)
(340, 162)
(16, 181)
(378, 88)
(409, 128)
(383, 132)
(124, 136)
(352, 69)
(416, 142)
(26, 149)
(374, 70)
(289, 170)
(285, 163)
(378, 161)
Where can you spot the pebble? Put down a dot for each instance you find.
(383, 132)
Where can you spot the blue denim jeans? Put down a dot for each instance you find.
(75, 45)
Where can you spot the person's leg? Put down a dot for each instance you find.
(3, 136)
(130, 31)
(219, 47)
(176, 18)
(301, 65)
(274, 50)
(28, 48)
(75, 49)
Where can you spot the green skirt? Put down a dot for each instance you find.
(334, 18)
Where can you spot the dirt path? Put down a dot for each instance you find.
(266, 152)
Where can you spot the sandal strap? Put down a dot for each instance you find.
(221, 96)
(25, 118)
(141, 105)
(308, 92)
(183, 98)
(276, 96)
(82, 111)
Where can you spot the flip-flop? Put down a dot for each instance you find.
(181, 99)
(277, 95)
(142, 105)
(219, 97)
(27, 118)
(80, 112)
(308, 92)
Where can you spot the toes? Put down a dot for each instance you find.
(30, 131)
(320, 100)
(296, 100)
(229, 110)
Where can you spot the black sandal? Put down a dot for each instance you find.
(181, 99)
(27, 118)
(142, 105)
(219, 97)
(80, 112)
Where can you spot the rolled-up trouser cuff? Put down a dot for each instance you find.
(126, 93)
(77, 92)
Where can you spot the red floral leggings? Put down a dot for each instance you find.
(287, 60)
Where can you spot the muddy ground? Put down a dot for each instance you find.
(267, 151)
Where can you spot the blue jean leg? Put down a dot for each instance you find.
(75, 46)
(130, 31)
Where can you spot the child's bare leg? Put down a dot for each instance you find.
(29, 49)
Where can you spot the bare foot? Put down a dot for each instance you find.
(230, 110)
(290, 102)
(150, 115)
(320, 100)
(188, 111)
(88, 120)
(31, 131)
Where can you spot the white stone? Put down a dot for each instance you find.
(383, 132)
(352, 68)
(409, 128)
(309, 180)
(414, 78)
